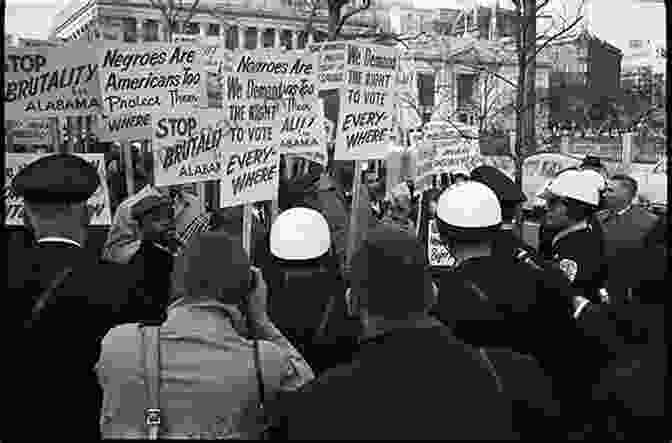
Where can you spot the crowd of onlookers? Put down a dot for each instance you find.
(294, 339)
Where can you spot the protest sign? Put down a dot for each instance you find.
(330, 64)
(124, 127)
(304, 133)
(30, 132)
(449, 147)
(263, 87)
(366, 102)
(188, 146)
(99, 201)
(51, 82)
(437, 253)
(250, 176)
(217, 60)
(151, 77)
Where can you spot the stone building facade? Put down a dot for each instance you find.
(248, 24)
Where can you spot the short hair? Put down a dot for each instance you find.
(628, 181)
(577, 210)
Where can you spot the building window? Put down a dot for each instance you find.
(251, 38)
(269, 38)
(213, 30)
(302, 41)
(426, 89)
(151, 31)
(191, 28)
(129, 30)
(286, 39)
(232, 37)
(465, 90)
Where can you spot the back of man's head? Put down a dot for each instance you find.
(389, 274)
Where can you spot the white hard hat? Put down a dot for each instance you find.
(577, 185)
(300, 234)
(600, 182)
(470, 205)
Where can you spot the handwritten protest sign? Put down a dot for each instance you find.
(51, 82)
(188, 146)
(124, 127)
(99, 201)
(366, 102)
(304, 133)
(437, 253)
(263, 87)
(217, 60)
(151, 77)
(250, 176)
(330, 64)
(30, 132)
(449, 147)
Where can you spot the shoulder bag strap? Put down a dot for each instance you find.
(46, 296)
(151, 353)
(491, 368)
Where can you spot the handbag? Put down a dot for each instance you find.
(149, 339)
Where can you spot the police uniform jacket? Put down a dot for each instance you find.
(412, 383)
(56, 392)
(578, 250)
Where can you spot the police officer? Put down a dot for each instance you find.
(510, 199)
(307, 292)
(67, 299)
(493, 301)
(572, 201)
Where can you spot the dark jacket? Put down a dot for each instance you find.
(516, 311)
(299, 297)
(581, 252)
(59, 396)
(412, 384)
(152, 268)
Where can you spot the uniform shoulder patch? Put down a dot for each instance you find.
(570, 268)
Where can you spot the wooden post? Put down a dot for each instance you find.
(71, 135)
(54, 129)
(354, 212)
(247, 229)
(127, 159)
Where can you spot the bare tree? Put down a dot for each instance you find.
(174, 12)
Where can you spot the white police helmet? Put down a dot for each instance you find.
(469, 208)
(600, 181)
(300, 234)
(577, 185)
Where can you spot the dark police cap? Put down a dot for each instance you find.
(505, 188)
(151, 204)
(58, 178)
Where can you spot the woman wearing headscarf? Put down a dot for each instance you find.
(208, 370)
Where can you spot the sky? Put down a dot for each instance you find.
(616, 21)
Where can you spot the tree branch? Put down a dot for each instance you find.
(313, 12)
(192, 11)
(366, 5)
(552, 38)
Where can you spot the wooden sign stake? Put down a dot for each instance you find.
(127, 159)
(247, 229)
(354, 219)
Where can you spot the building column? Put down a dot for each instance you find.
(310, 39)
(295, 40)
(276, 36)
(203, 28)
(139, 34)
(260, 42)
(159, 31)
(241, 37)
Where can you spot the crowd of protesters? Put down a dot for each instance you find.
(175, 331)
